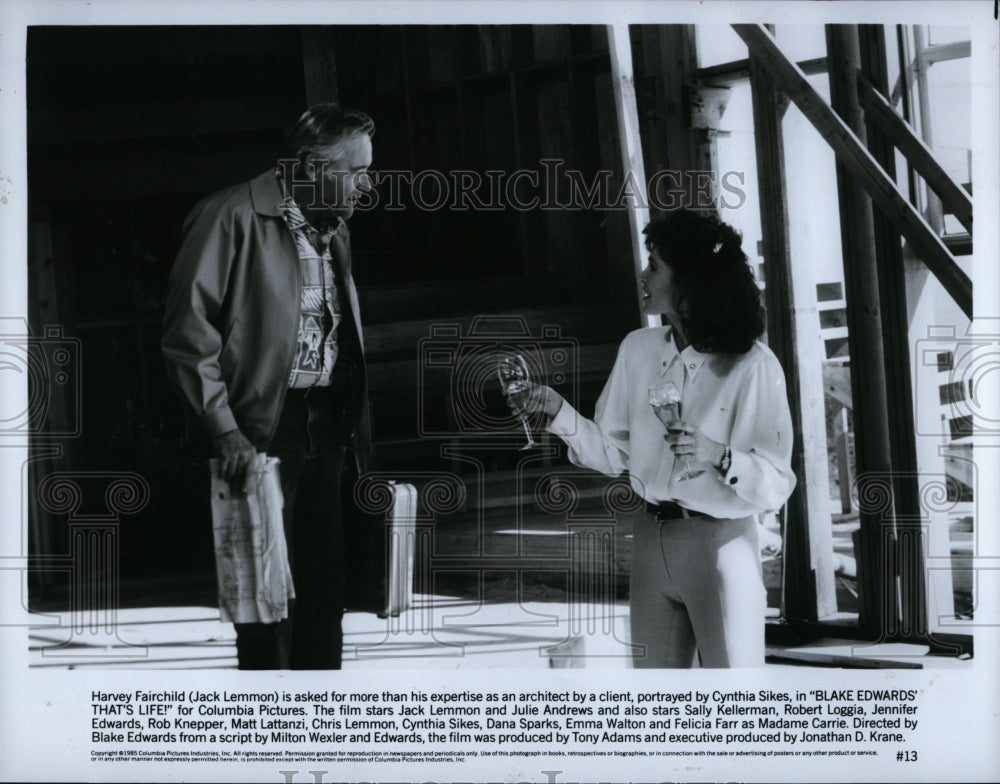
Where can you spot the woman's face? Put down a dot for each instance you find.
(656, 283)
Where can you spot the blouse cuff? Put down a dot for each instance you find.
(564, 423)
(740, 470)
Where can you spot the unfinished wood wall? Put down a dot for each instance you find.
(129, 127)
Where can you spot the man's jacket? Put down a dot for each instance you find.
(231, 322)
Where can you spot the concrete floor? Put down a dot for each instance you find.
(437, 632)
(501, 619)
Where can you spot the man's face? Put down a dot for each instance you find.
(336, 177)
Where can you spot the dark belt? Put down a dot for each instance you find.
(669, 510)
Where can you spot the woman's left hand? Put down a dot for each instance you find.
(688, 441)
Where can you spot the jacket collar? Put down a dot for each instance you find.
(265, 194)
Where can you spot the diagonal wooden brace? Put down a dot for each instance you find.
(955, 198)
(855, 156)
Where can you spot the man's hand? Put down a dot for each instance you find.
(235, 454)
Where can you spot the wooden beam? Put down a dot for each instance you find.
(959, 244)
(852, 153)
(877, 107)
(932, 54)
(808, 588)
(819, 658)
(931, 208)
(678, 62)
(739, 70)
(667, 66)
(319, 64)
(929, 605)
(627, 112)
(155, 119)
(74, 45)
(866, 337)
(873, 73)
(135, 176)
(940, 53)
(587, 324)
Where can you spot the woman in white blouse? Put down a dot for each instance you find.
(696, 579)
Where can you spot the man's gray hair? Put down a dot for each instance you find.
(323, 125)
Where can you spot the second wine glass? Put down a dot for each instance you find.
(666, 397)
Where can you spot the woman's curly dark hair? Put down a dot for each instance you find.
(712, 278)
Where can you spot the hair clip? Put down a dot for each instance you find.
(718, 245)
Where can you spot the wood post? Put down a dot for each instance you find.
(623, 79)
(867, 346)
(808, 591)
(668, 64)
(892, 290)
(319, 64)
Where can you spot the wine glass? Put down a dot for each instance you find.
(665, 397)
(515, 380)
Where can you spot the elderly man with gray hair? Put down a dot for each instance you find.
(262, 341)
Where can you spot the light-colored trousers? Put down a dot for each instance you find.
(696, 585)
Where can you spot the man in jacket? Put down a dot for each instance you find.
(262, 340)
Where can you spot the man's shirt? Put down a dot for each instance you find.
(321, 308)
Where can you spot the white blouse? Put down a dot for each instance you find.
(736, 399)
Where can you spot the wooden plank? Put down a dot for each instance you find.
(581, 324)
(652, 97)
(139, 175)
(592, 362)
(319, 64)
(931, 209)
(895, 312)
(892, 285)
(739, 70)
(940, 53)
(616, 242)
(808, 589)
(550, 42)
(568, 251)
(866, 339)
(73, 45)
(519, 156)
(494, 47)
(959, 244)
(883, 191)
(441, 54)
(155, 119)
(686, 149)
(627, 113)
(842, 661)
(955, 198)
